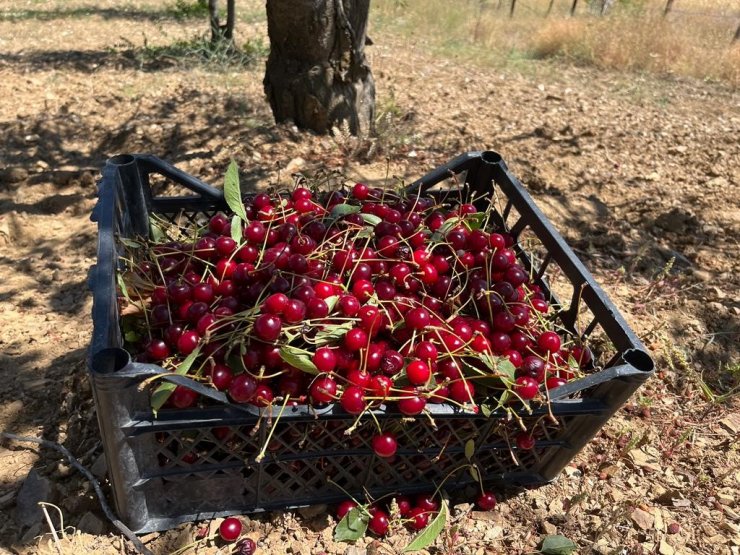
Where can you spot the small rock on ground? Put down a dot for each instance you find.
(35, 488)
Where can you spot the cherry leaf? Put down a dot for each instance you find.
(371, 219)
(298, 358)
(332, 333)
(130, 243)
(165, 389)
(233, 191)
(474, 221)
(352, 527)
(474, 473)
(331, 302)
(431, 532)
(156, 233)
(236, 229)
(340, 210)
(557, 545)
(469, 449)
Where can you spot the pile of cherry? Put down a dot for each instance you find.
(362, 299)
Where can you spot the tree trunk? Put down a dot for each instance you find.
(230, 20)
(317, 75)
(667, 9)
(549, 7)
(222, 32)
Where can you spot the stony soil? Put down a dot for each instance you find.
(641, 176)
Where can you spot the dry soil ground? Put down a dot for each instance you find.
(641, 175)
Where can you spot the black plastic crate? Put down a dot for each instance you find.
(156, 489)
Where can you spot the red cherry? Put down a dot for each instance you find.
(275, 303)
(525, 441)
(418, 372)
(404, 505)
(417, 318)
(419, 518)
(345, 507)
(263, 396)
(267, 327)
(301, 193)
(549, 342)
(486, 501)
(379, 523)
(385, 445)
(221, 376)
(380, 386)
(242, 388)
(294, 312)
(183, 397)
(363, 289)
(349, 305)
(359, 378)
(411, 403)
(323, 390)
(353, 400)
(219, 223)
(355, 339)
(426, 351)
(360, 191)
(325, 359)
(427, 503)
(526, 387)
(230, 529)
(187, 342)
(158, 349)
(553, 383)
(462, 391)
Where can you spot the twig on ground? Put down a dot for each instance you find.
(140, 547)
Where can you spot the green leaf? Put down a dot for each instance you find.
(233, 191)
(352, 527)
(474, 473)
(430, 533)
(331, 302)
(122, 286)
(500, 365)
(131, 336)
(469, 449)
(156, 233)
(558, 545)
(236, 229)
(371, 219)
(474, 221)
(130, 243)
(441, 233)
(332, 333)
(298, 358)
(365, 233)
(505, 366)
(341, 210)
(163, 392)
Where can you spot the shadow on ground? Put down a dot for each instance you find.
(95, 11)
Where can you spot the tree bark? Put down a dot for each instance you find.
(317, 75)
(667, 9)
(549, 7)
(222, 32)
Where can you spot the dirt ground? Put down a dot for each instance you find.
(641, 175)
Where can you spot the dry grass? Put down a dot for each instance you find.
(695, 40)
